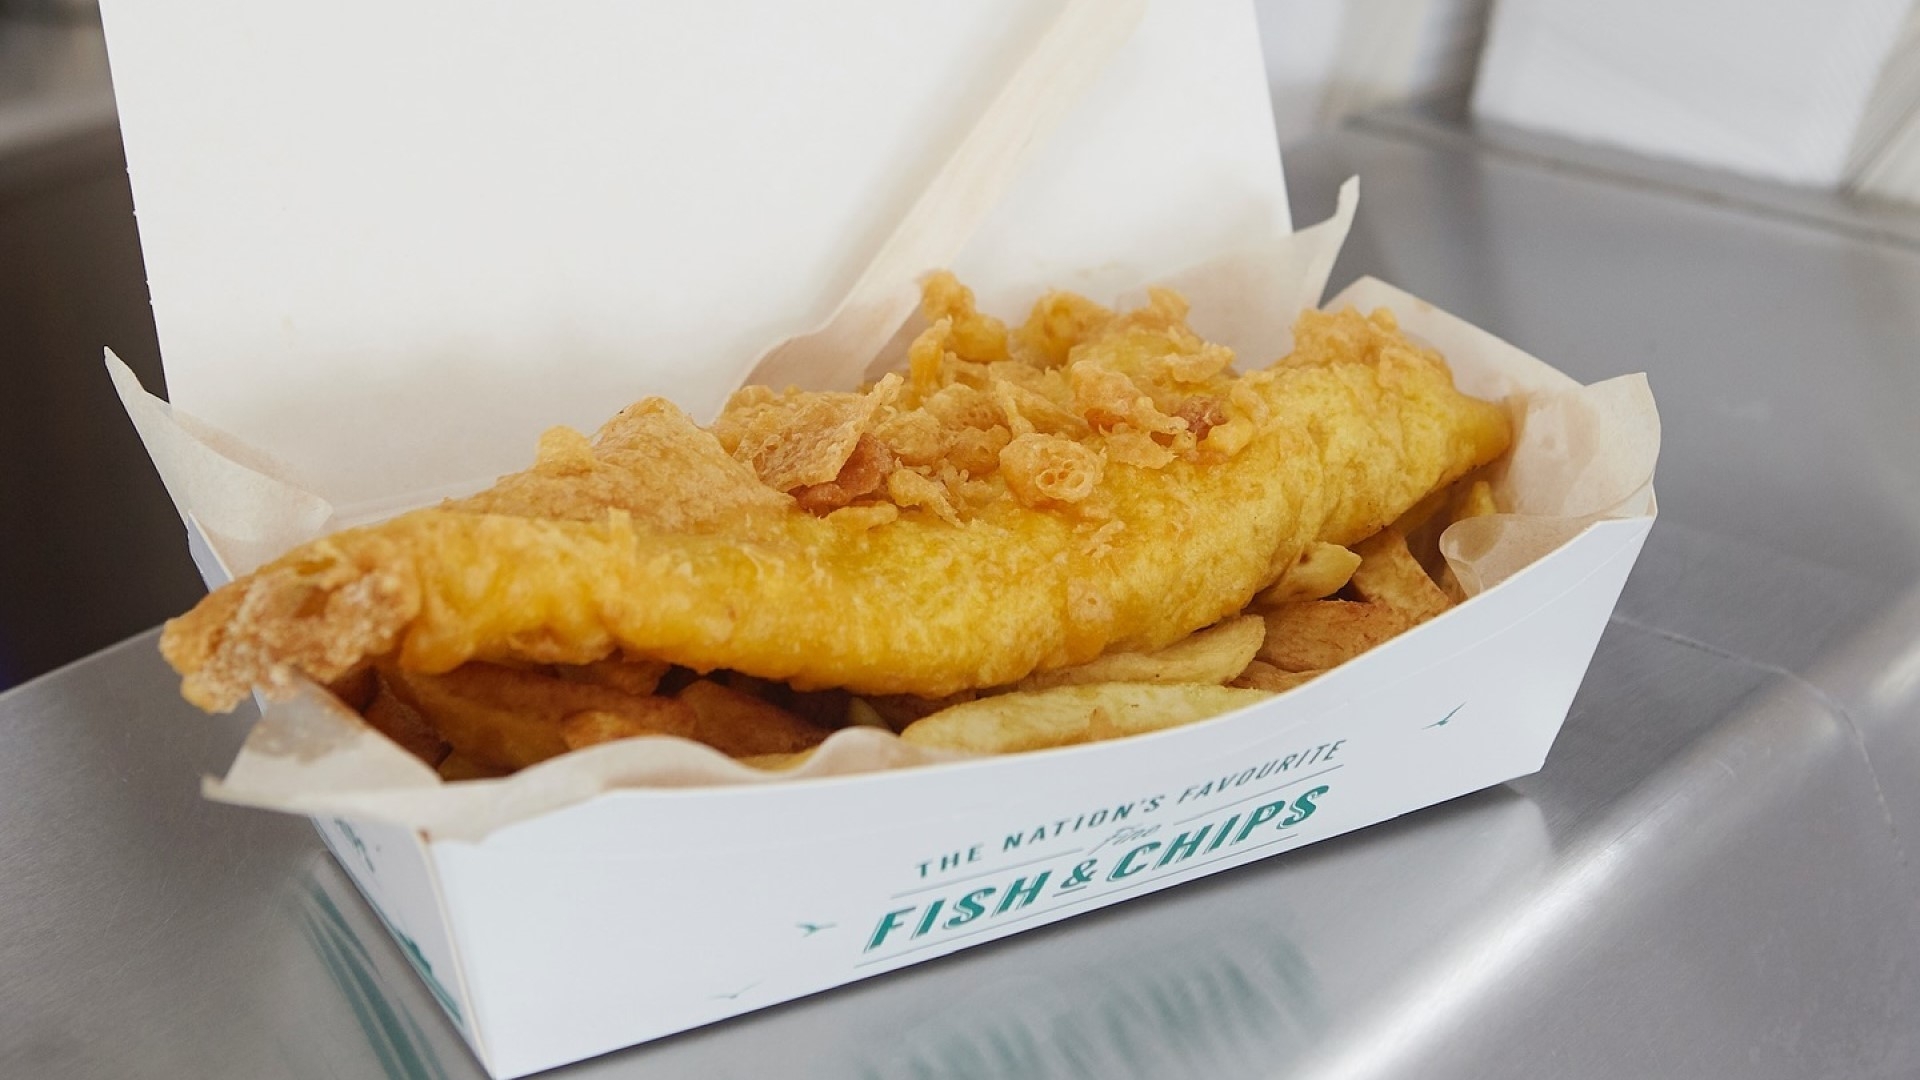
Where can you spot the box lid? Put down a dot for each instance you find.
(388, 243)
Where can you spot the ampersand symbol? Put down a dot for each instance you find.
(1082, 874)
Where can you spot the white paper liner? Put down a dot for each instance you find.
(245, 501)
(1581, 454)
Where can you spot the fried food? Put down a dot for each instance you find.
(1320, 634)
(1260, 675)
(1213, 655)
(1067, 715)
(742, 724)
(503, 718)
(1390, 576)
(402, 723)
(507, 718)
(1118, 694)
(1321, 570)
(1021, 501)
(637, 677)
(1390, 592)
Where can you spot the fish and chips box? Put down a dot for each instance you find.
(389, 244)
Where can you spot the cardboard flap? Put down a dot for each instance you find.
(401, 253)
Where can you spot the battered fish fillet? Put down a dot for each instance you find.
(1016, 501)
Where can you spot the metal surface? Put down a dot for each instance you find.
(1708, 879)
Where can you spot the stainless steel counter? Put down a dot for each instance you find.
(1708, 879)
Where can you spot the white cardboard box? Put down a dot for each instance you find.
(1794, 93)
(643, 913)
(336, 219)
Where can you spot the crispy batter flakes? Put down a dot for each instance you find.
(1049, 470)
(1038, 413)
(862, 473)
(797, 440)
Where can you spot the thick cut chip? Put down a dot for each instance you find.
(861, 714)
(1477, 501)
(1214, 655)
(742, 725)
(593, 727)
(1390, 576)
(1260, 675)
(900, 710)
(505, 718)
(400, 722)
(637, 677)
(1321, 634)
(1066, 715)
(1321, 570)
(356, 689)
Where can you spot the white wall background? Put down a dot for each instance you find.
(1328, 59)
(1817, 93)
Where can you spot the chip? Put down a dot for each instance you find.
(739, 724)
(593, 727)
(900, 710)
(1431, 517)
(1320, 634)
(1329, 605)
(1321, 570)
(637, 677)
(1477, 501)
(1214, 655)
(403, 724)
(508, 718)
(1260, 675)
(356, 689)
(1066, 715)
(860, 713)
(1390, 576)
